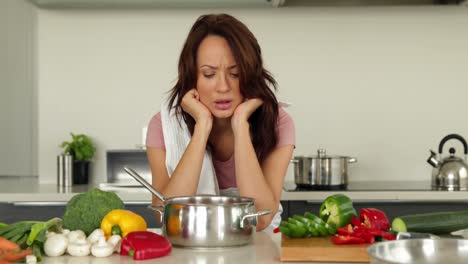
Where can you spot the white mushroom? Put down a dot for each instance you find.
(79, 248)
(115, 240)
(56, 245)
(76, 235)
(102, 248)
(50, 233)
(95, 235)
(65, 231)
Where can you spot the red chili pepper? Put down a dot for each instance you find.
(374, 218)
(145, 245)
(341, 240)
(276, 230)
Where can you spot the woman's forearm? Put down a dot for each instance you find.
(250, 179)
(185, 178)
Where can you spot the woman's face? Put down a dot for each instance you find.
(218, 77)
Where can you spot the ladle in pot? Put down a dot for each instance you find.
(145, 184)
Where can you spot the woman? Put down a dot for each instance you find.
(233, 121)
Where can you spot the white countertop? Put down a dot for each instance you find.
(28, 190)
(265, 248)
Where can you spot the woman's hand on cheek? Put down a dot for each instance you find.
(192, 105)
(244, 111)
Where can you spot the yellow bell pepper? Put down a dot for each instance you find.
(121, 222)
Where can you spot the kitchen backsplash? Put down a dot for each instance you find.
(383, 85)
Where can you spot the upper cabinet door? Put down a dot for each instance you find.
(233, 3)
(156, 3)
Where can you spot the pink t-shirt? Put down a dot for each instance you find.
(225, 170)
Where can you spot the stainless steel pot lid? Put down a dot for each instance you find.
(419, 251)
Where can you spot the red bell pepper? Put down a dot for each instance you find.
(359, 235)
(345, 230)
(365, 233)
(374, 218)
(372, 223)
(381, 233)
(145, 245)
(355, 221)
(341, 240)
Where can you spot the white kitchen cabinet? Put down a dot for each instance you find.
(158, 3)
(18, 114)
(232, 3)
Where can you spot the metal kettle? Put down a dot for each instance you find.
(449, 173)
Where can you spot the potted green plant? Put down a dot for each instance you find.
(82, 149)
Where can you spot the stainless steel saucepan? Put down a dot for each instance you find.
(322, 171)
(205, 220)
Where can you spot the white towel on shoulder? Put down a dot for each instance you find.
(177, 137)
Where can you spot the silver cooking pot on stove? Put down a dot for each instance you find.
(205, 220)
(321, 171)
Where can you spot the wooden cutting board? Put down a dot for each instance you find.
(321, 249)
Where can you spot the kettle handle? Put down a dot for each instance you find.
(453, 136)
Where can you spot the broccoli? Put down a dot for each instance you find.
(85, 211)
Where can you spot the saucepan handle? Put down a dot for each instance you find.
(159, 209)
(259, 213)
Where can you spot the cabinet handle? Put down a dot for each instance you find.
(65, 203)
(313, 202)
(39, 203)
(138, 202)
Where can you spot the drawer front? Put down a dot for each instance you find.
(10, 213)
(392, 209)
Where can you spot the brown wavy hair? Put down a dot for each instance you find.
(254, 80)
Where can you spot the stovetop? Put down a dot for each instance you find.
(290, 186)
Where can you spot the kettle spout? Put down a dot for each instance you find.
(433, 160)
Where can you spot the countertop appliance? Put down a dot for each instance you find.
(449, 173)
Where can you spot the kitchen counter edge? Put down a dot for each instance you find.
(28, 190)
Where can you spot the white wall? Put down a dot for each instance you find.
(380, 84)
(18, 117)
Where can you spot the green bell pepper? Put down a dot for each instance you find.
(293, 228)
(310, 227)
(316, 228)
(284, 230)
(337, 210)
